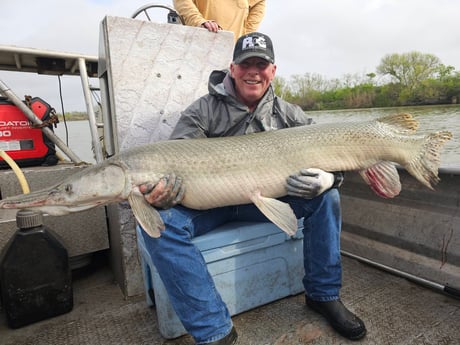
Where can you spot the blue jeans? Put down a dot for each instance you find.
(191, 288)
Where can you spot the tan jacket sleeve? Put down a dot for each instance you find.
(256, 15)
(189, 12)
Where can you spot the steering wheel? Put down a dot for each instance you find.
(173, 16)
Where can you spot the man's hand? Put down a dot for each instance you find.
(211, 26)
(309, 183)
(167, 193)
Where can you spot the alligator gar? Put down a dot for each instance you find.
(248, 169)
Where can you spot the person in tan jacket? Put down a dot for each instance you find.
(238, 16)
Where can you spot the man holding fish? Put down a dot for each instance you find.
(242, 101)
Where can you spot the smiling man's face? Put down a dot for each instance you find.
(252, 78)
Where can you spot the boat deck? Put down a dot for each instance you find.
(396, 311)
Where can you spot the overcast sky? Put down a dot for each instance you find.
(328, 37)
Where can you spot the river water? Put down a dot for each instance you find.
(431, 118)
(77, 136)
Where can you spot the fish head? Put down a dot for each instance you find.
(96, 185)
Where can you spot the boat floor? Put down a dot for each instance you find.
(395, 311)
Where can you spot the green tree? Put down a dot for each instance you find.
(445, 72)
(415, 79)
(307, 89)
(409, 69)
(281, 88)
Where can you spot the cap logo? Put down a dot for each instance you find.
(252, 42)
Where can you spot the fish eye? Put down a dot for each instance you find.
(68, 188)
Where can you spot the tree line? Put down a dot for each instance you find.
(407, 79)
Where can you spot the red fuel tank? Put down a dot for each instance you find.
(26, 145)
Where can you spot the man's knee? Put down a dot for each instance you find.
(332, 195)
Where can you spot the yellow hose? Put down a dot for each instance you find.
(17, 171)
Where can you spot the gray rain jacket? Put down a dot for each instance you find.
(220, 113)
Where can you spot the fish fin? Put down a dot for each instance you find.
(149, 218)
(403, 121)
(278, 212)
(383, 178)
(424, 167)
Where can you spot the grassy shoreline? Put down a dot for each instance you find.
(74, 116)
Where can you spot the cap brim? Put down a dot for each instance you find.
(248, 55)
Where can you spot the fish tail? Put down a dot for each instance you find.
(425, 165)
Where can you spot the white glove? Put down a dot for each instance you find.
(309, 183)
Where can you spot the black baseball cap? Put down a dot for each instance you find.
(254, 44)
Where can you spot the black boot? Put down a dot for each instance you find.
(339, 317)
(229, 339)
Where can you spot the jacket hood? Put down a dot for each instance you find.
(216, 82)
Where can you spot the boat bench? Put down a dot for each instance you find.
(251, 263)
